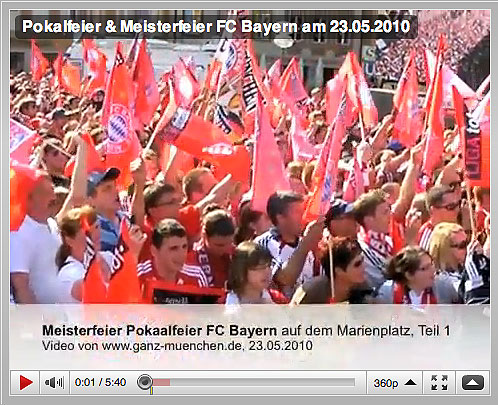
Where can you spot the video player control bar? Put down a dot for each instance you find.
(233, 382)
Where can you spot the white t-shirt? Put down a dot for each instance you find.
(32, 251)
(415, 298)
(72, 271)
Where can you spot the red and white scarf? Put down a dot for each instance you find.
(203, 260)
(401, 295)
(380, 243)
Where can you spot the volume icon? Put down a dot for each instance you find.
(52, 382)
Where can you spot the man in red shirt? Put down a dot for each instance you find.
(212, 254)
(169, 252)
(443, 206)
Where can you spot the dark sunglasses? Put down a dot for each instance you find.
(461, 245)
(449, 207)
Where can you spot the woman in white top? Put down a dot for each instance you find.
(70, 257)
(249, 277)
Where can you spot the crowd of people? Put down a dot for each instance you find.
(393, 244)
(464, 30)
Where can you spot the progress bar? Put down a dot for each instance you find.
(253, 382)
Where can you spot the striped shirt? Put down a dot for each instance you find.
(377, 249)
(281, 253)
(424, 235)
(109, 231)
(188, 275)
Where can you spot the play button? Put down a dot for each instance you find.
(24, 382)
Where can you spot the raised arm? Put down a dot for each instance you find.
(77, 192)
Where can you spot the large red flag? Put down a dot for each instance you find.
(147, 93)
(93, 159)
(96, 61)
(434, 144)
(291, 83)
(475, 138)
(23, 180)
(185, 85)
(39, 64)
(121, 145)
(94, 289)
(212, 75)
(67, 75)
(334, 90)
(124, 287)
(22, 140)
(268, 168)
(358, 90)
(325, 174)
(408, 121)
(192, 134)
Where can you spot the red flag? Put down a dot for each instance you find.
(301, 148)
(403, 81)
(212, 75)
(22, 140)
(434, 144)
(450, 78)
(39, 64)
(408, 125)
(189, 132)
(121, 145)
(147, 96)
(477, 145)
(185, 86)
(272, 80)
(268, 168)
(353, 186)
(291, 83)
(93, 159)
(325, 174)
(94, 289)
(358, 90)
(23, 180)
(124, 287)
(97, 66)
(67, 76)
(189, 62)
(333, 94)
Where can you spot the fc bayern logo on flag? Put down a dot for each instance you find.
(118, 128)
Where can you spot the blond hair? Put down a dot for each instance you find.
(440, 245)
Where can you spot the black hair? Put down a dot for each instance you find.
(279, 202)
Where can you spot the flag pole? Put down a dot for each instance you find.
(331, 264)
(362, 128)
(471, 211)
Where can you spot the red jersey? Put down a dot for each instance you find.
(190, 218)
(145, 253)
(215, 268)
(187, 276)
(424, 235)
(397, 231)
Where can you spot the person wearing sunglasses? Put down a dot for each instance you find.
(412, 280)
(448, 248)
(53, 160)
(348, 272)
(443, 206)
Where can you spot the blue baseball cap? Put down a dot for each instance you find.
(338, 208)
(98, 176)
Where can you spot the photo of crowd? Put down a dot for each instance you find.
(128, 189)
